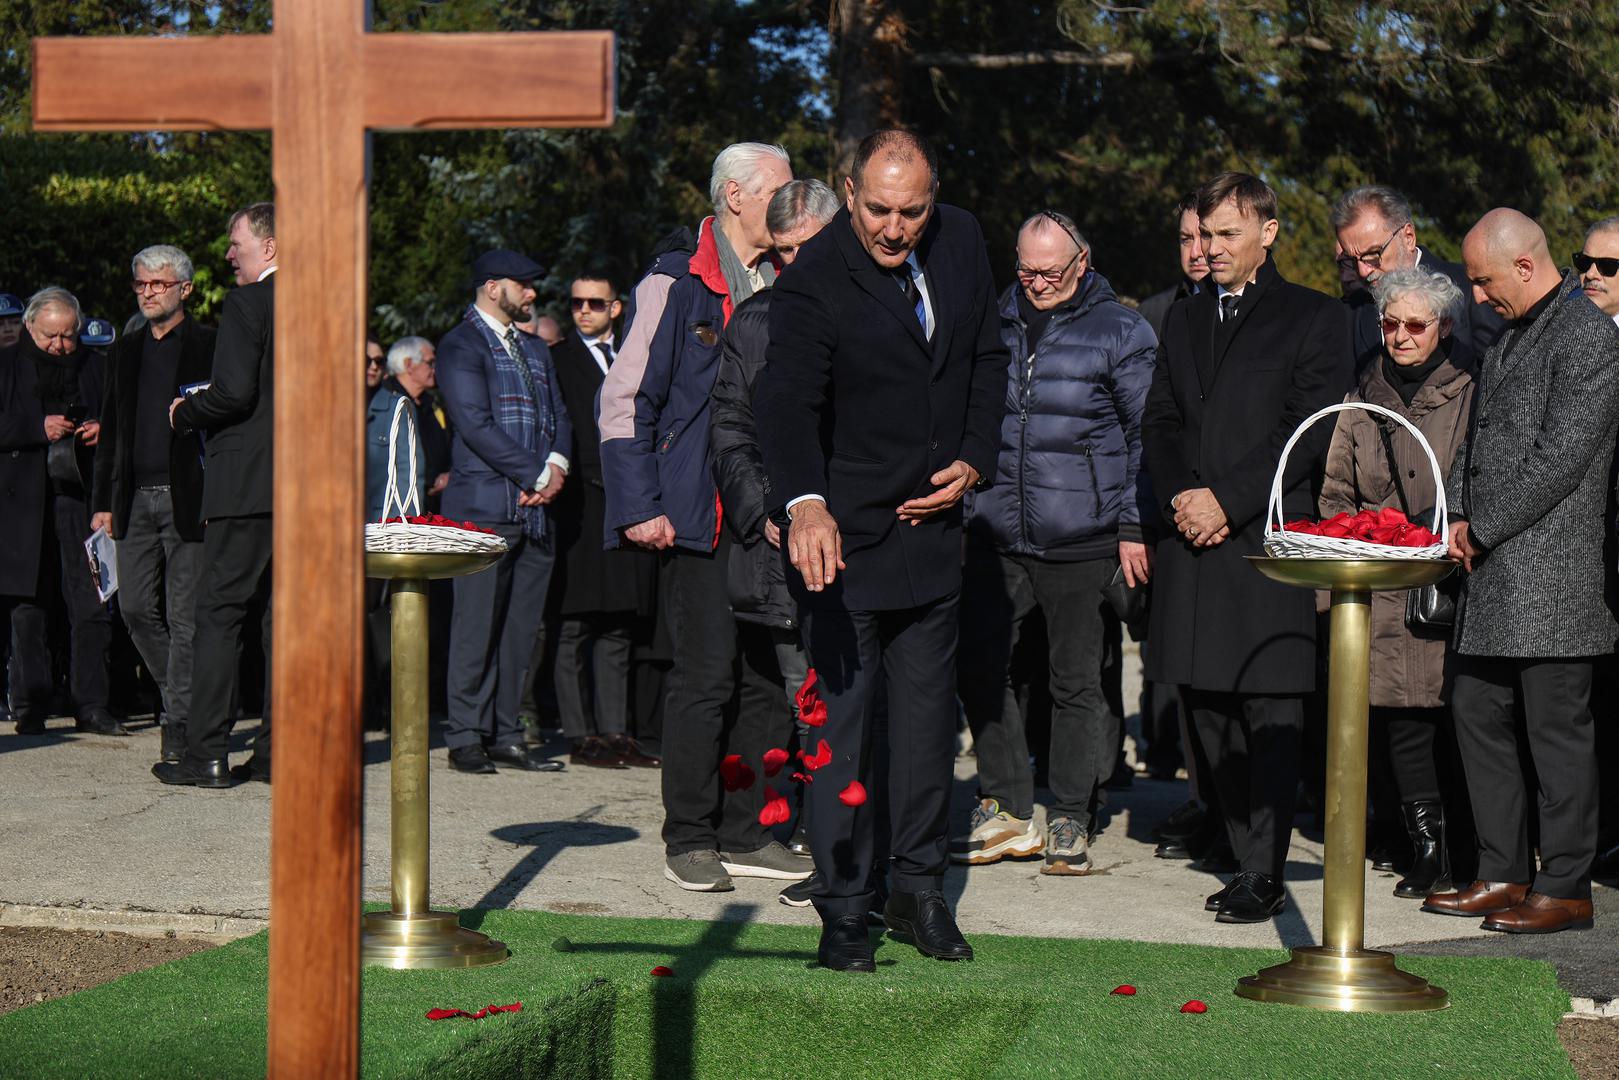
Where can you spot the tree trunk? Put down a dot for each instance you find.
(870, 43)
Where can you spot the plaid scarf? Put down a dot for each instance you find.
(522, 408)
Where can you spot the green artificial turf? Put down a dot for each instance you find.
(747, 1001)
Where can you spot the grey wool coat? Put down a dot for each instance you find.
(1533, 481)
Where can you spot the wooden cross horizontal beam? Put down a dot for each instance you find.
(478, 81)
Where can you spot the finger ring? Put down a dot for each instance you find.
(1192, 531)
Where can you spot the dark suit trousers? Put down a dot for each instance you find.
(89, 622)
(492, 630)
(593, 674)
(235, 577)
(1252, 744)
(1557, 723)
(914, 650)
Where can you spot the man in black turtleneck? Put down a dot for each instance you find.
(50, 397)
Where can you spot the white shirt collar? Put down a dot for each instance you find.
(495, 324)
(268, 270)
(592, 342)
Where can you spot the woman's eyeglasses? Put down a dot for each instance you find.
(1414, 327)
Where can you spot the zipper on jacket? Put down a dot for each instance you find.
(667, 441)
(1096, 488)
(1023, 444)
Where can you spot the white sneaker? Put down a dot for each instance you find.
(993, 835)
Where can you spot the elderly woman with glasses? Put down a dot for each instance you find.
(1374, 463)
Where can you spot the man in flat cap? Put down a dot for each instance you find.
(507, 462)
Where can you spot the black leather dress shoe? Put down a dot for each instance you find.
(471, 759)
(518, 756)
(1253, 897)
(31, 725)
(191, 772)
(99, 722)
(924, 918)
(251, 769)
(846, 945)
(1213, 902)
(1172, 849)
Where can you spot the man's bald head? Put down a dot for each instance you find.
(1509, 262)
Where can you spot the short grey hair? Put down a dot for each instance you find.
(53, 294)
(1051, 219)
(406, 353)
(162, 257)
(798, 201)
(741, 162)
(1607, 224)
(1438, 292)
(1390, 204)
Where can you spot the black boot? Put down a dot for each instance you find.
(1430, 864)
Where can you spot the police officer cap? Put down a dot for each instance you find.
(10, 306)
(97, 332)
(494, 265)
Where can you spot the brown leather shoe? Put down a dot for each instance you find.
(630, 753)
(594, 752)
(1542, 914)
(1479, 898)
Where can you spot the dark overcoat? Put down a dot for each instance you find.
(1218, 418)
(857, 405)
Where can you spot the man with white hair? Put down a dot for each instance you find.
(50, 401)
(654, 421)
(148, 479)
(411, 370)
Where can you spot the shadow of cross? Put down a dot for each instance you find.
(545, 840)
(318, 82)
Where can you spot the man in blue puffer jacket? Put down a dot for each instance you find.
(1063, 515)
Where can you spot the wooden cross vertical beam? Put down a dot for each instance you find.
(318, 82)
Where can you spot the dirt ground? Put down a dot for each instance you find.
(39, 963)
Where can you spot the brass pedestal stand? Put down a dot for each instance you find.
(412, 935)
(1341, 974)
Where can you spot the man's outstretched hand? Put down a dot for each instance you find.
(950, 483)
(814, 544)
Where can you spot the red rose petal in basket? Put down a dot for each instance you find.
(1194, 1006)
(775, 810)
(1125, 990)
(734, 774)
(822, 757)
(1302, 525)
(853, 795)
(663, 972)
(775, 758)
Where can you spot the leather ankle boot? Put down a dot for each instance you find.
(1430, 864)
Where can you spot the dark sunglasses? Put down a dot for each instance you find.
(594, 303)
(1605, 267)
(1414, 327)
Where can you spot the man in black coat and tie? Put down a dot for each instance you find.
(1241, 364)
(879, 407)
(234, 413)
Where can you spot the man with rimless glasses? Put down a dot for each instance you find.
(1377, 236)
(1597, 263)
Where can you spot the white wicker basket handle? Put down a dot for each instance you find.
(410, 504)
(1441, 516)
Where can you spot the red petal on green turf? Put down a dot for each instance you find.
(853, 795)
(1194, 1006)
(662, 972)
(1126, 989)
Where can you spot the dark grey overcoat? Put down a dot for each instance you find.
(1533, 482)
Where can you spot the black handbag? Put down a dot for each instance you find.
(1128, 602)
(1430, 612)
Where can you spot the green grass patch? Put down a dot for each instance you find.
(747, 1001)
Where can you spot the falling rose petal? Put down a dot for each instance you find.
(823, 756)
(774, 759)
(734, 774)
(1126, 990)
(663, 972)
(806, 690)
(853, 795)
(814, 715)
(775, 810)
(1194, 1006)
(803, 778)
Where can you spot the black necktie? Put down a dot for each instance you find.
(606, 351)
(515, 350)
(1228, 307)
(913, 295)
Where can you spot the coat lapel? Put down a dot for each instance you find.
(879, 283)
(1201, 315)
(1504, 365)
(1252, 297)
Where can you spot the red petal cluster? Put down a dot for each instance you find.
(663, 972)
(1194, 1006)
(822, 757)
(776, 811)
(1386, 526)
(853, 795)
(811, 709)
(487, 1010)
(775, 758)
(439, 520)
(1126, 990)
(735, 775)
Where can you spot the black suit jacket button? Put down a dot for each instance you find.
(1473, 471)
(933, 445)
(1484, 421)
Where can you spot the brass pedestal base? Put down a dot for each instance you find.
(1361, 981)
(433, 939)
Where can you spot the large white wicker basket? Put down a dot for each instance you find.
(1281, 544)
(404, 538)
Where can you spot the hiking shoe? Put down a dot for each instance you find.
(770, 861)
(1067, 852)
(799, 892)
(993, 834)
(698, 871)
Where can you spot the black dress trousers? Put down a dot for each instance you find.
(1252, 744)
(235, 578)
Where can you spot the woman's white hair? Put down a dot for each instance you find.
(1440, 294)
(406, 353)
(741, 162)
(53, 294)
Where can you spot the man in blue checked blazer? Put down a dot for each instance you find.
(507, 462)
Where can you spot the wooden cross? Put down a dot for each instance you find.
(318, 82)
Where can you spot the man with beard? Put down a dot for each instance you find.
(506, 464)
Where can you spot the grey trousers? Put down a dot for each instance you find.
(157, 595)
(497, 614)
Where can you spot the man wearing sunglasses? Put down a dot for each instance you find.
(1597, 263)
(1376, 235)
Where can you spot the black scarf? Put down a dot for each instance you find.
(57, 379)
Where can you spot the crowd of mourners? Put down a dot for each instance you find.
(813, 498)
